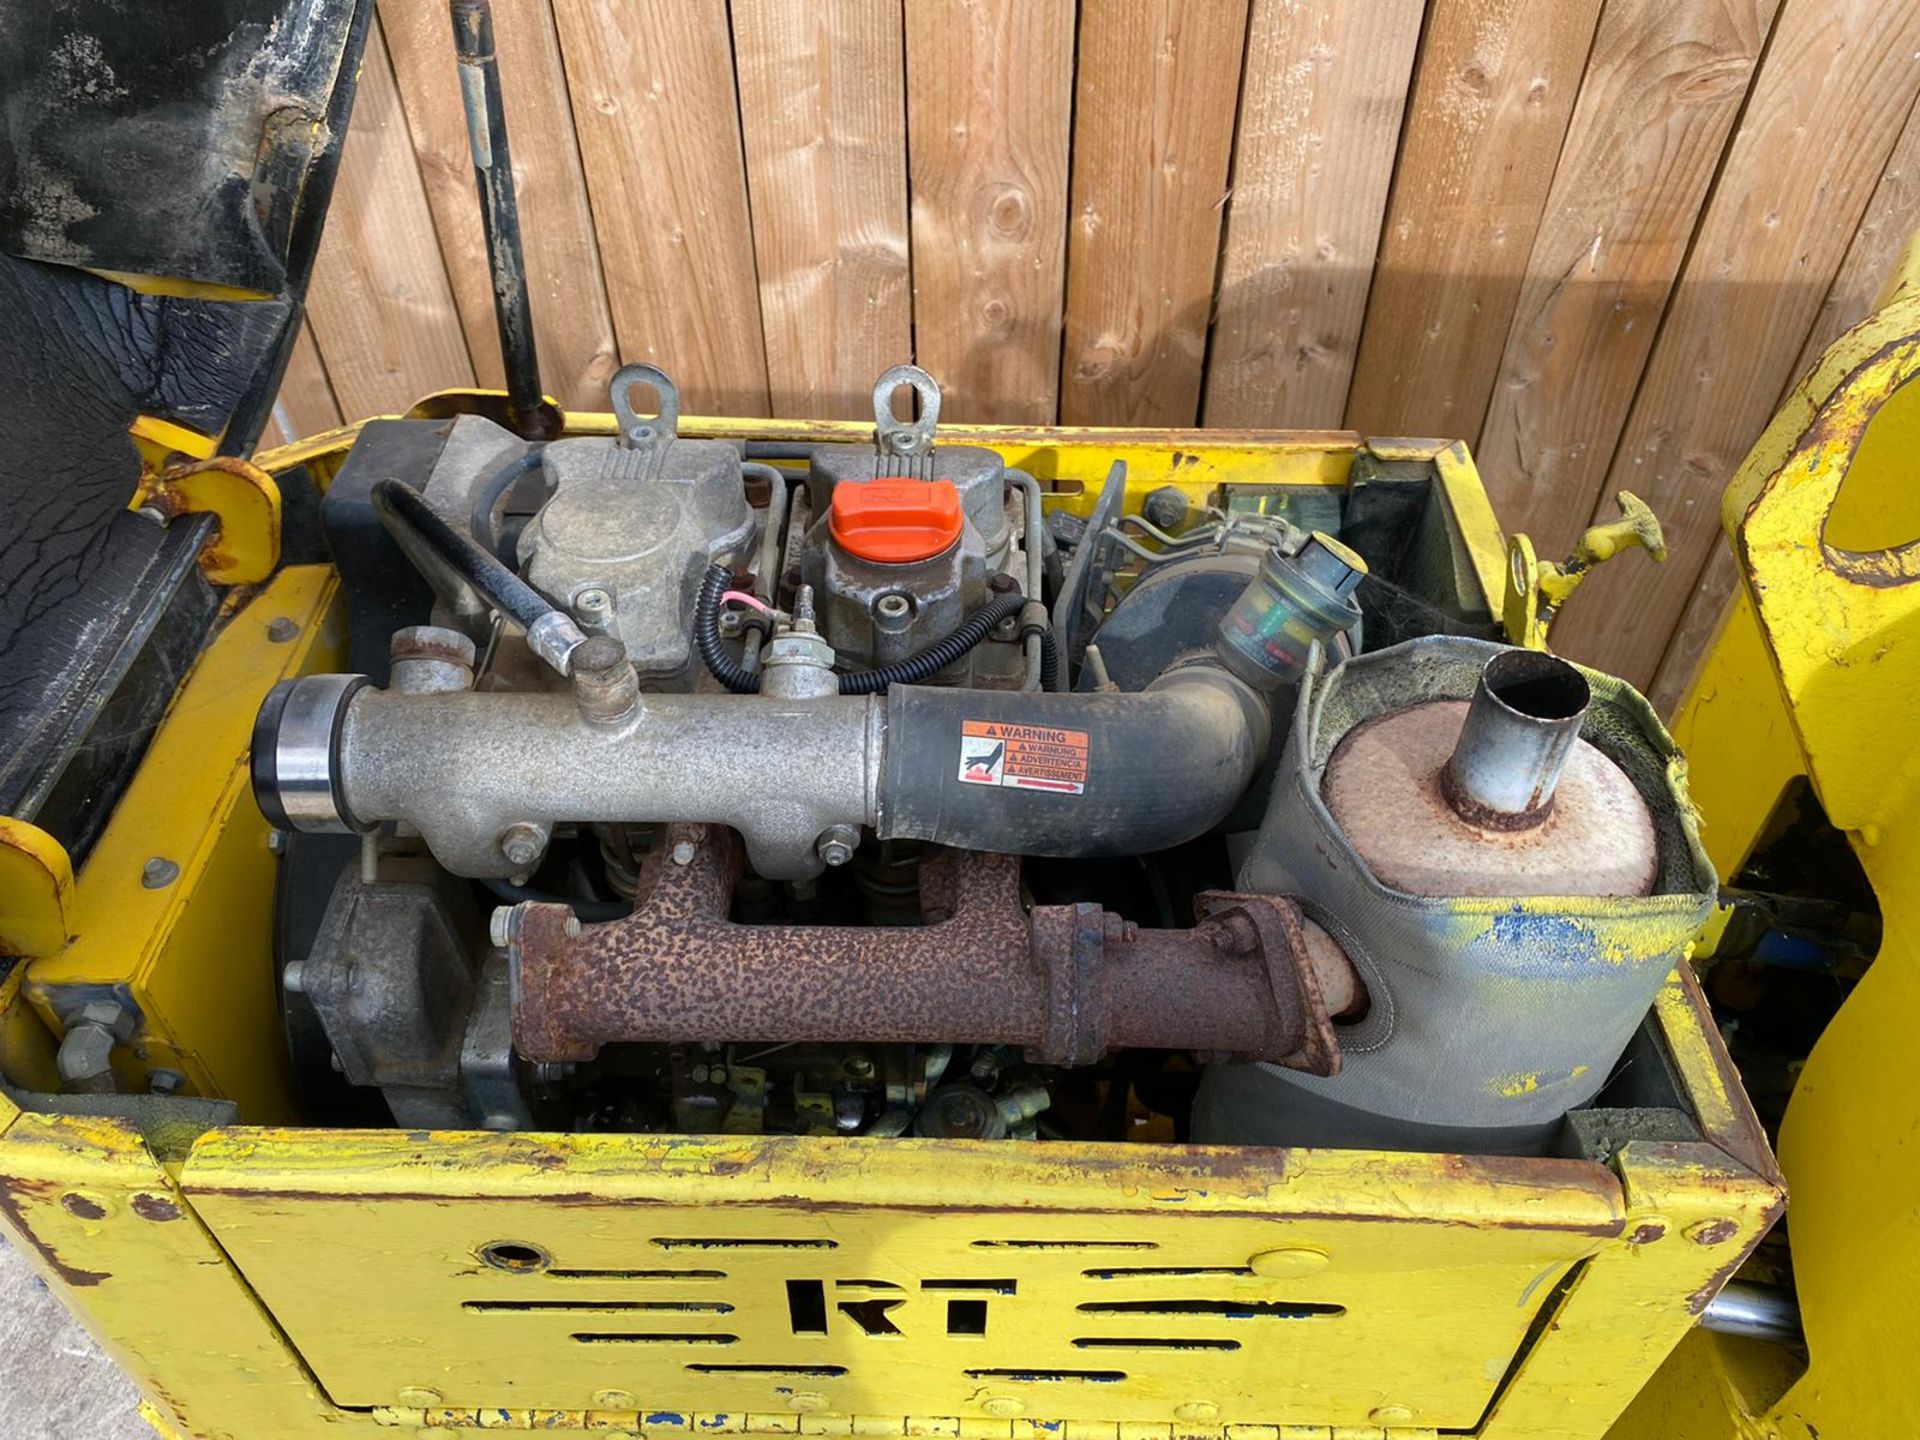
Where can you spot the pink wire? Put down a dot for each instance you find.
(741, 597)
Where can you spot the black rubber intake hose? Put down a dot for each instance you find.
(921, 665)
(406, 513)
(1029, 773)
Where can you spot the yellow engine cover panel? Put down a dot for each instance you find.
(859, 1277)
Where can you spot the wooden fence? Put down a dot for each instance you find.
(1598, 239)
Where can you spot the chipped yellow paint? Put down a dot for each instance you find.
(36, 890)
(1512, 1087)
(326, 1273)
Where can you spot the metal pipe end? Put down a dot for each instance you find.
(1519, 732)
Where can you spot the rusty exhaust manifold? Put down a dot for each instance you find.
(1067, 982)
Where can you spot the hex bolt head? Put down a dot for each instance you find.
(837, 844)
(158, 873)
(500, 926)
(165, 1082)
(294, 978)
(683, 852)
(593, 604)
(1165, 507)
(522, 844)
(280, 630)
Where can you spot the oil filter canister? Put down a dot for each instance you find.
(1503, 845)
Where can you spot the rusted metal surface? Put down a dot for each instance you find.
(1385, 786)
(1067, 983)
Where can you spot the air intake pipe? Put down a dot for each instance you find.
(1015, 772)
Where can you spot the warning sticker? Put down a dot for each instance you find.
(1023, 757)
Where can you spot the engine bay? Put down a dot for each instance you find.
(705, 786)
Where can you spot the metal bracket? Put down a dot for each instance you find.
(36, 891)
(899, 439)
(637, 432)
(1536, 590)
(239, 494)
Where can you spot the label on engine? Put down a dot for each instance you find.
(1023, 757)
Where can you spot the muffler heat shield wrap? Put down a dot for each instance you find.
(1490, 1016)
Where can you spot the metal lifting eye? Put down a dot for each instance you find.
(638, 432)
(892, 436)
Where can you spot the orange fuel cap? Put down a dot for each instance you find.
(895, 522)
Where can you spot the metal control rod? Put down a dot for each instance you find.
(527, 409)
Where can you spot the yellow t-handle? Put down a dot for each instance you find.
(1537, 589)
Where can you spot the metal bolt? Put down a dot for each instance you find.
(294, 977)
(1002, 1407)
(522, 844)
(730, 623)
(1003, 583)
(500, 926)
(837, 844)
(1197, 1410)
(806, 1402)
(573, 926)
(683, 852)
(276, 842)
(1390, 1414)
(1165, 507)
(153, 513)
(158, 873)
(280, 630)
(860, 1066)
(593, 605)
(615, 1400)
(165, 1082)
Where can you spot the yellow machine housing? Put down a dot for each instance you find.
(263, 1280)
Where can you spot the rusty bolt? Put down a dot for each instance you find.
(683, 852)
(280, 630)
(158, 873)
(522, 844)
(1003, 583)
(837, 844)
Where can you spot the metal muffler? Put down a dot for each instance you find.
(1503, 845)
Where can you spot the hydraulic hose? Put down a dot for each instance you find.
(493, 490)
(911, 671)
(430, 541)
(1070, 774)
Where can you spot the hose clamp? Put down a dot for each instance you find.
(296, 754)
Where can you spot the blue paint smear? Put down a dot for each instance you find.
(665, 1417)
(1550, 944)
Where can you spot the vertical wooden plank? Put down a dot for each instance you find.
(1662, 90)
(659, 135)
(379, 305)
(1321, 104)
(1492, 94)
(571, 325)
(1892, 215)
(305, 400)
(1830, 101)
(989, 109)
(1153, 132)
(823, 116)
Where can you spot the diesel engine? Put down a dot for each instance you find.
(877, 788)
